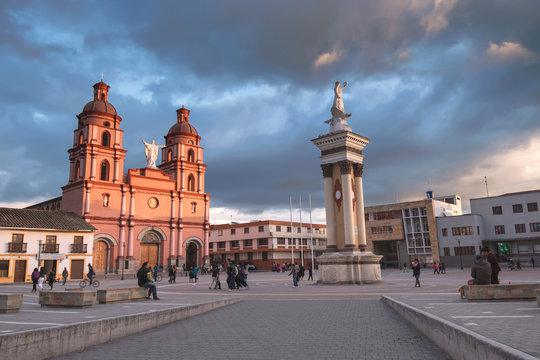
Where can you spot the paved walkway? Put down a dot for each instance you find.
(513, 323)
(284, 329)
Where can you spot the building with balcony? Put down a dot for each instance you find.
(407, 230)
(263, 243)
(38, 238)
(509, 224)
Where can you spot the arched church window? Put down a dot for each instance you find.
(191, 155)
(81, 138)
(191, 182)
(169, 155)
(193, 207)
(106, 139)
(77, 171)
(104, 174)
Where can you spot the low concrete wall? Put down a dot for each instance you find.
(499, 292)
(67, 298)
(10, 303)
(538, 297)
(458, 342)
(126, 294)
(60, 340)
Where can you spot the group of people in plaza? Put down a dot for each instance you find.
(41, 276)
(484, 271)
(297, 271)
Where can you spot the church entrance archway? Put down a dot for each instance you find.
(192, 254)
(150, 249)
(100, 256)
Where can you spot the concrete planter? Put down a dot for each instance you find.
(67, 298)
(113, 295)
(499, 292)
(10, 303)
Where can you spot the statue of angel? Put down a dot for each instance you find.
(151, 151)
(338, 122)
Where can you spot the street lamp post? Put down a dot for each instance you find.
(460, 258)
(123, 259)
(39, 254)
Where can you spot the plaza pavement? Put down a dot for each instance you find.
(277, 319)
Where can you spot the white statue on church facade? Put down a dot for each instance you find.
(338, 122)
(151, 151)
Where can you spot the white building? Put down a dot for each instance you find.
(509, 221)
(38, 238)
(262, 243)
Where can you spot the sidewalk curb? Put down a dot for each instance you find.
(55, 341)
(458, 342)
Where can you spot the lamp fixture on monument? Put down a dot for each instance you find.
(346, 259)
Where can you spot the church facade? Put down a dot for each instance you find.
(158, 214)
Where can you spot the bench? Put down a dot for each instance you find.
(67, 298)
(10, 303)
(125, 294)
(499, 292)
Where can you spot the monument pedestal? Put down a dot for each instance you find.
(354, 267)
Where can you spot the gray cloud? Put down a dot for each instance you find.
(247, 72)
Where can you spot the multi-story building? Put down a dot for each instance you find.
(36, 238)
(262, 243)
(153, 214)
(509, 224)
(407, 230)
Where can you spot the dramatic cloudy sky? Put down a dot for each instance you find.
(448, 91)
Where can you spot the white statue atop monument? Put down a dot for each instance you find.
(338, 122)
(151, 151)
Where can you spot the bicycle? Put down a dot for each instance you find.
(85, 282)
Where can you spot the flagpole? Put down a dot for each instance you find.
(311, 235)
(292, 233)
(301, 242)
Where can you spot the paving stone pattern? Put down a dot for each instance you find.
(278, 329)
(514, 323)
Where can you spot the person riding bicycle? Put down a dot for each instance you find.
(90, 274)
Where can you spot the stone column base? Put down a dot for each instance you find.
(349, 267)
(132, 264)
(180, 261)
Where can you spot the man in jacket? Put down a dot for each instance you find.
(492, 260)
(481, 271)
(144, 280)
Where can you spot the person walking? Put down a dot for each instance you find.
(144, 279)
(231, 274)
(295, 270)
(194, 273)
(415, 266)
(51, 278)
(155, 271)
(435, 268)
(492, 260)
(310, 273)
(40, 282)
(532, 262)
(215, 277)
(65, 275)
(35, 278)
(442, 268)
(171, 274)
(90, 274)
(481, 271)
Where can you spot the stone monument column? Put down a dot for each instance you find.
(342, 156)
(345, 168)
(329, 205)
(358, 170)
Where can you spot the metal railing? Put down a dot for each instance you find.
(17, 247)
(50, 248)
(79, 248)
